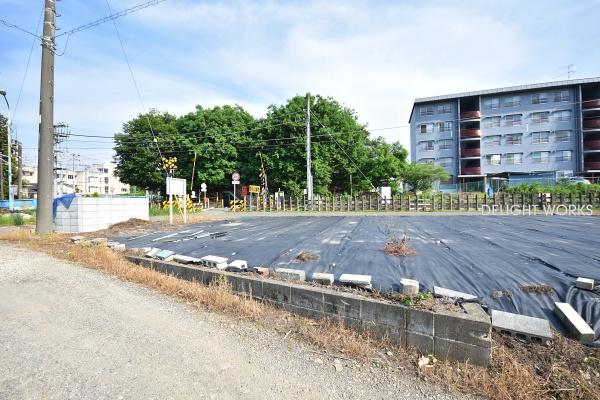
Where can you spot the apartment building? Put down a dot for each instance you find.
(539, 132)
(97, 178)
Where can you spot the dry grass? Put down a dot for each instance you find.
(306, 256)
(565, 370)
(399, 248)
(538, 289)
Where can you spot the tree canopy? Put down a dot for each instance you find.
(420, 177)
(222, 140)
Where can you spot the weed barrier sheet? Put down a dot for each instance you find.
(471, 254)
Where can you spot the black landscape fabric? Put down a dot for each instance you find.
(471, 254)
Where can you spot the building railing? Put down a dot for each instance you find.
(471, 171)
(470, 133)
(586, 104)
(474, 152)
(591, 123)
(591, 145)
(592, 165)
(470, 115)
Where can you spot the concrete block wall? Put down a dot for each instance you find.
(464, 337)
(88, 214)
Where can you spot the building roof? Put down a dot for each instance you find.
(507, 89)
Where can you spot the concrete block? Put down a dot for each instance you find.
(237, 266)
(387, 333)
(119, 247)
(362, 281)
(322, 278)
(77, 238)
(180, 258)
(376, 312)
(278, 292)
(308, 297)
(462, 352)
(420, 342)
(585, 283)
(409, 286)
(152, 252)
(291, 274)
(165, 255)
(305, 312)
(419, 321)
(344, 305)
(577, 325)
(521, 326)
(462, 328)
(452, 294)
(250, 286)
(214, 262)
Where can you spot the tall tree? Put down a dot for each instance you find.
(4, 151)
(420, 177)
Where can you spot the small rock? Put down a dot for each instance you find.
(338, 367)
(318, 361)
(389, 353)
(77, 239)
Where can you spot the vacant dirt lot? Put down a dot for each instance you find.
(71, 332)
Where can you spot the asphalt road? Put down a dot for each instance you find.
(71, 332)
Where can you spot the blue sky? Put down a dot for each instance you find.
(373, 56)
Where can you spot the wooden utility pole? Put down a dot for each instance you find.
(20, 171)
(46, 132)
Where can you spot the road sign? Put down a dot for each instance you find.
(244, 190)
(203, 186)
(235, 182)
(254, 189)
(235, 176)
(176, 186)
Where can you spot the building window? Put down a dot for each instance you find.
(564, 155)
(539, 157)
(491, 122)
(562, 95)
(69, 176)
(446, 126)
(562, 136)
(493, 140)
(493, 159)
(445, 144)
(539, 117)
(513, 120)
(426, 161)
(514, 158)
(106, 189)
(512, 101)
(540, 137)
(562, 116)
(539, 98)
(444, 161)
(426, 128)
(426, 146)
(123, 190)
(106, 179)
(426, 110)
(514, 138)
(491, 103)
(444, 109)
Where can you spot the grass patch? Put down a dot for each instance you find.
(538, 289)
(399, 248)
(306, 256)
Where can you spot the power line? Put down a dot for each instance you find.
(17, 27)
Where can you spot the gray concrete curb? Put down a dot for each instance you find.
(464, 337)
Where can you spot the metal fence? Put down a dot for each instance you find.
(436, 202)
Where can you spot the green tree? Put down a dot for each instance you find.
(3, 152)
(420, 177)
(137, 156)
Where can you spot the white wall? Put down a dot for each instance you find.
(88, 214)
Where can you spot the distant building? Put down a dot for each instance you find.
(30, 178)
(97, 178)
(530, 133)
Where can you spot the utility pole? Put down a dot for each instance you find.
(1, 177)
(309, 178)
(9, 152)
(75, 157)
(20, 171)
(46, 132)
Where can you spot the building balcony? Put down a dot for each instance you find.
(470, 115)
(591, 123)
(473, 170)
(591, 145)
(592, 165)
(470, 133)
(474, 152)
(590, 104)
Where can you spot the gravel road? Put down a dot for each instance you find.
(70, 332)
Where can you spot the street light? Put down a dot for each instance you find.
(9, 140)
